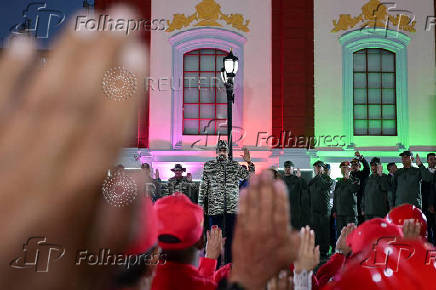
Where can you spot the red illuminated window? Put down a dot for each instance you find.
(204, 96)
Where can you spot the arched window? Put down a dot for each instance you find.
(203, 41)
(204, 97)
(374, 93)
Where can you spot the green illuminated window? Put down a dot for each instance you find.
(374, 93)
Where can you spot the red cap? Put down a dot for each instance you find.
(371, 231)
(407, 211)
(179, 220)
(399, 264)
(147, 236)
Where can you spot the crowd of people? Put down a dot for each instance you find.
(271, 234)
(339, 220)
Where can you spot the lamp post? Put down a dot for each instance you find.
(87, 5)
(228, 73)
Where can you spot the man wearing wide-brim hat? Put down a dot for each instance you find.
(407, 180)
(180, 183)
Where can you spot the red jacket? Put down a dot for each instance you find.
(330, 269)
(175, 276)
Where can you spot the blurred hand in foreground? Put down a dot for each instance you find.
(263, 243)
(59, 134)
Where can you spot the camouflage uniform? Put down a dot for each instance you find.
(219, 194)
(221, 178)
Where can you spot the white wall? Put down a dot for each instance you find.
(328, 70)
(257, 67)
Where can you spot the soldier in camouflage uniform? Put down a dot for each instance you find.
(180, 183)
(319, 192)
(345, 198)
(375, 198)
(298, 196)
(219, 191)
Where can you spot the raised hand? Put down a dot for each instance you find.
(357, 154)
(246, 155)
(76, 132)
(262, 227)
(298, 174)
(308, 254)
(214, 243)
(418, 160)
(341, 243)
(156, 174)
(411, 229)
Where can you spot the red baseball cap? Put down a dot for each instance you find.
(399, 264)
(147, 236)
(371, 231)
(180, 222)
(407, 211)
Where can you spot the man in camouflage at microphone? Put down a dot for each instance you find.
(219, 191)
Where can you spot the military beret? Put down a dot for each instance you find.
(344, 163)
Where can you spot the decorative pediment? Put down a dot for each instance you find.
(208, 13)
(375, 14)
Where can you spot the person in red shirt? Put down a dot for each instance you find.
(353, 241)
(402, 263)
(180, 229)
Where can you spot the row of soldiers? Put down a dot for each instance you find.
(364, 191)
(361, 194)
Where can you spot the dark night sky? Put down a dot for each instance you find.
(46, 21)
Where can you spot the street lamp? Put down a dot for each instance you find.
(228, 72)
(87, 5)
